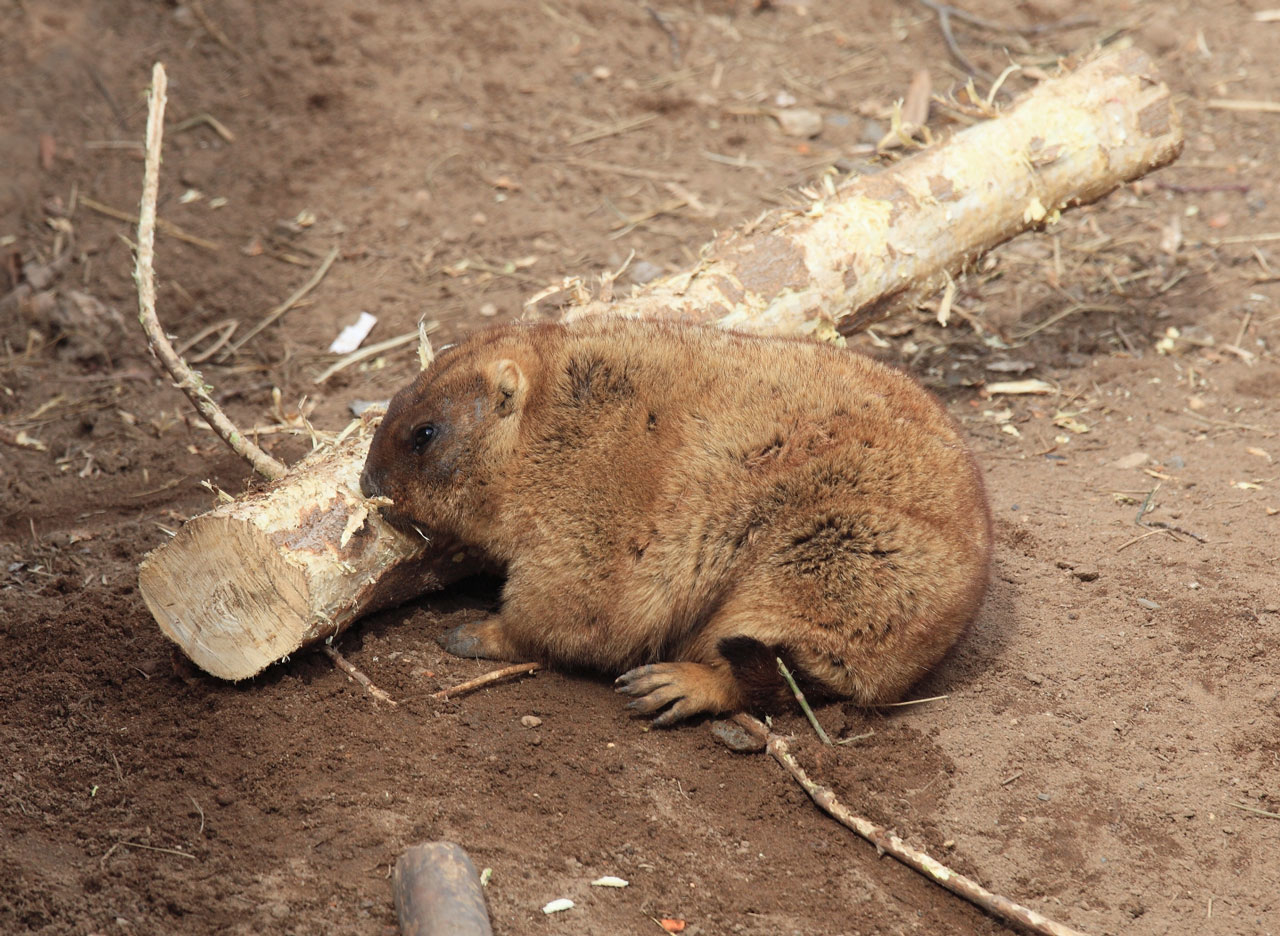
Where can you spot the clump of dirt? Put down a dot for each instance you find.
(1107, 749)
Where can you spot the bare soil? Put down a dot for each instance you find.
(1109, 744)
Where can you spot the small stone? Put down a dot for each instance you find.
(799, 122)
(1043, 797)
(1034, 678)
(735, 737)
(1134, 460)
(642, 271)
(530, 721)
(1148, 604)
(556, 906)
(1086, 574)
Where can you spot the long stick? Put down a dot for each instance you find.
(888, 843)
(188, 381)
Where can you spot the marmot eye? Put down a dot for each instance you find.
(422, 437)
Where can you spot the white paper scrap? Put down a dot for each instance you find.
(350, 337)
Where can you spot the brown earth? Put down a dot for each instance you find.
(1112, 722)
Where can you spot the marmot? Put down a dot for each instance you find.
(683, 504)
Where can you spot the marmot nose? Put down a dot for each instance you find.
(370, 485)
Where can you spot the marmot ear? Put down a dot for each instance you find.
(509, 386)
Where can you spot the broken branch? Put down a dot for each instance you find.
(888, 843)
(188, 381)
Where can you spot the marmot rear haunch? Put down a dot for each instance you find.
(683, 505)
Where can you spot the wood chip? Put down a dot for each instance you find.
(1013, 387)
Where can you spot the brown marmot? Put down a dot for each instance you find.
(683, 504)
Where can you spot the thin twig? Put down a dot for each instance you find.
(1139, 539)
(154, 848)
(1241, 187)
(288, 304)
(224, 330)
(1235, 104)
(622, 126)
(887, 842)
(1255, 810)
(672, 39)
(212, 28)
(804, 703)
(1227, 424)
(160, 224)
(20, 439)
(347, 667)
(945, 12)
(936, 698)
(372, 350)
(471, 685)
(212, 122)
(199, 831)
(144, 276)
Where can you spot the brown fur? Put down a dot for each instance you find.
(686, 504)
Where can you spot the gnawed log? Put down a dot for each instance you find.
(258, 579)
(272, 572)
(889, 240)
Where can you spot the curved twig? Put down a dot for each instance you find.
(888, 843)
(188, 381)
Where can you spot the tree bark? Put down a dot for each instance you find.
(258, 579)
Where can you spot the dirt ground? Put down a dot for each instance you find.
(1108, 750)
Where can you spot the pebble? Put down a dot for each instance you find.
(1148, 604)
(1034, 678)
(735, 737)
(642, 271)
(799, 122)
(530, 721)
(1134, 460)
(1086, 575)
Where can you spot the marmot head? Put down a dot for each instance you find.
(447, 437)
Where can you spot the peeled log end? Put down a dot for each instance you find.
(257, 579)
